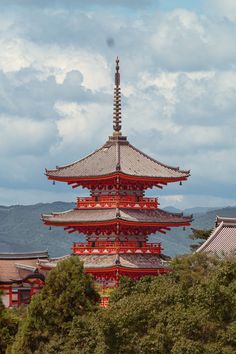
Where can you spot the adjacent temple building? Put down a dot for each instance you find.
(116, 218)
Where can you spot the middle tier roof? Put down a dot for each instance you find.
(79, 217)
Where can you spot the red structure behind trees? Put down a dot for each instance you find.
(117, 218)
(20, 277)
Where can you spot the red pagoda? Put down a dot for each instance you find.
(117, 218)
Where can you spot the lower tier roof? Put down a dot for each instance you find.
(78, 217)
(124, 260)
(131, 261)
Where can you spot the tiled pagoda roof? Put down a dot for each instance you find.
(223, 238)
(117, 155)
(16, 266)
(9, 271)
(24, 255)
(80, 216)
(124, 260)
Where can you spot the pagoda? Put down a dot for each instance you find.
(117, 218)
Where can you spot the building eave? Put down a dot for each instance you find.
(24, 255)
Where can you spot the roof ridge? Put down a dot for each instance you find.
(226, 220)
(118, 167)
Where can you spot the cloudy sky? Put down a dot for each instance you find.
(178, 67)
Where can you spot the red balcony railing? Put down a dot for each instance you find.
(106, 247)
(117, 201)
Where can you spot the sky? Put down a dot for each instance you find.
(178, 81)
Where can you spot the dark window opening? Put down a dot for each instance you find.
(23, 296)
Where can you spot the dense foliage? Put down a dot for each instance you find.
(68, 292)
(8, 327)
(190, 311)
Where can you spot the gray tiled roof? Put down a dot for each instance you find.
(223, 238)
(10, 271)
(123, 260)
(24, 255)
(117, 155)
(74, 216)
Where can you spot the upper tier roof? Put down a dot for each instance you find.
(117, 155)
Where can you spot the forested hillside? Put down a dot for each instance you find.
(22, 230)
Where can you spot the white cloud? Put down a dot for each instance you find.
(18, 54)
(194, 200)
(178, 80)
(14, 54)
(82, 124)
(223, 8)
(23, 136)
(172, 200)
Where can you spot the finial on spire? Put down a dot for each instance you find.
(117, 74)
(117, 100)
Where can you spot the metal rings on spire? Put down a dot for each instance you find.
(117, 100)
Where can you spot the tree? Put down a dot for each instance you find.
(8, 326)
(191, 310)
(199, 234)
(68, 292)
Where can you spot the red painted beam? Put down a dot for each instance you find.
(161, 231)
(121, 176)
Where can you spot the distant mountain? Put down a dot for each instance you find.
(189, 211)
(22, 230)
(198, 210)
(176, 241)
(172, 209)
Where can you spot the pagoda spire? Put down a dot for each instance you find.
(117, 101)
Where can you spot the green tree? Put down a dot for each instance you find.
(199, 234)
(192, 310)
(8, 326)
(68, 292)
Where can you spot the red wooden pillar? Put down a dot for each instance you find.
(18, 298)
(10, 296)
(117, 277)
(32, 291)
